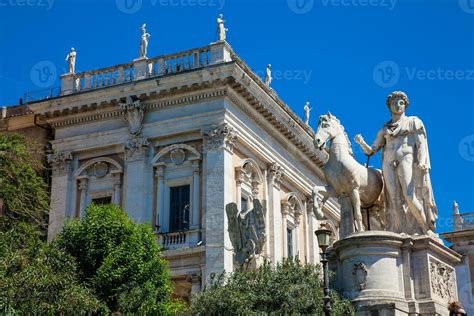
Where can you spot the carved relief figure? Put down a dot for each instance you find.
(71, 59)
(221, 30)
(354, 185)
(247, 231)
(134, 114)
(144, 41)
(406, 164)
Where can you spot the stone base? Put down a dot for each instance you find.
(394, 274)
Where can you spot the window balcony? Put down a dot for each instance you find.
(179, 239)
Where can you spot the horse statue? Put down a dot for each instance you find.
(356, 186)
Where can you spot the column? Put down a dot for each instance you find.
(275, 173)
(284, 213)
(297, 232)
(60, 186)
(218, 179)
(135, 190)
(117, 188)
(196, 194)
(160, 196)
(311, 227)
(238, 190)
(83, 195)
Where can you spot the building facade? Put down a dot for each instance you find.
(175, 139)
(462, 240)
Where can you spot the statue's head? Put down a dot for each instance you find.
(72, 49)
(397, 102)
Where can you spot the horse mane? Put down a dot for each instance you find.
(331, 117)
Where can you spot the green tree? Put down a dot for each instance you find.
(36, 278)
(23, 192)
(120, 260)
(290, 288)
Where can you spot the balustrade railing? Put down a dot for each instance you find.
(179, 239)
(464, 221)
(143, 68)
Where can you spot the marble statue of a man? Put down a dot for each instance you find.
(144, 41)
(307, 109)
(221, 30)
(268, 75)
(71, 60)
(410, 206)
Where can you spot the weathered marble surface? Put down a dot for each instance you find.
(71, 61)
(414, 274)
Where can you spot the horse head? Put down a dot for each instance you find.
(328, 128)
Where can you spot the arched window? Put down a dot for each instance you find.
(291, 209)
(248, 178)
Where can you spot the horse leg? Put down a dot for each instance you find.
(355, 201)
(326, 192)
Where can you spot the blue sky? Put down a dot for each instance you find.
(344, 56)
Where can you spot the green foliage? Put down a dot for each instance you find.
(290, 288)
(36, 278)
(119, 260)
(23, 191)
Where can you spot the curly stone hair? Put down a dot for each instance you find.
(398, 94)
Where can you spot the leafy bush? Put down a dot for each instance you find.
(38, 279)
(23, 191)
(119, 260)
(290, 288)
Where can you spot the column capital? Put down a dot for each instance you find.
(136, 148)
(196, 166)
(160, 171)
(221, 136)
(83, 183)
(276, 173)
(60, 162)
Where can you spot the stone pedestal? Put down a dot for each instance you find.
(394, 274)
(140, 67)
(67, 83)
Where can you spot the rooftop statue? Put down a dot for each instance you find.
(221, 30)
(268, 75)
(71, 59)
(355, 185)
(144, 42)
(410, 205)
(307, 109)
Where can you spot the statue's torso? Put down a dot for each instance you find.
(400, 138)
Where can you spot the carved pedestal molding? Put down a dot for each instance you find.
(60, 162)
(442, 280)
(222, 136)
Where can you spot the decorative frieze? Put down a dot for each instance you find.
(135, 148)
(222, 136)
(60, 162)
(442, 279)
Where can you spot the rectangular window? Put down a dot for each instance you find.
(289, 242)
(179, 208)
(244, 204)
(102, 200)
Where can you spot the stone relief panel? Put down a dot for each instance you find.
(359, 273)
(442, 280)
